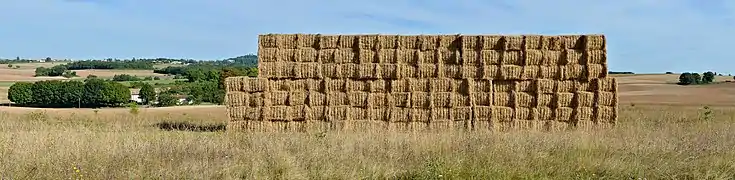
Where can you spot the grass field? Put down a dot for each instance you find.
(664, 132)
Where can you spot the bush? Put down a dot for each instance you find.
(708, 77)
(690, 78)
(156, 78)
(125, 77)
(166, 99)
(669, 73)
(21, 93)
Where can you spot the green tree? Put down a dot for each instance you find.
(103, 93)
(166, 99)
(686, 79)
(21, 93)
(708, 77)
(147, 94)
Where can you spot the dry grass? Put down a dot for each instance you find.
(656, 142)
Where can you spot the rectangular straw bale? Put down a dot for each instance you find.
(400, 114)
(534, 57)
(552, 43)
(337, 99)
(503, 85)
(606, 98)
(572, 41)
(490, 57)
(503, 99)
(250, 84)
(367, 42)
(428, 57)
(307, 40)
(606, 114)
(564, 99)
(316, 113)
(524, 99)
(566, 86)
(256, 99)
(543, 113)
(367, 71)
(449, 42)
(379, 86)
(296, 98)
(443, 84)
(328, 42)
(447, 56)
(482, 98)
(420, 85)
(471, 57)
(267, 54)
(471, 71)
(552, 57)
(338, 85)
(326, 55)
(545, 85)
(379, 114)
(233, 84)
(252, 113)
(584, 99)
(525, 86)
(401, 99)
(563, 113)
(307, 70)
(452, 71)
(357, 85)
(482, 85)
(428, 42)
(441, 114)
(531, 72)
(607, 84)
(470, 42)
(358, 114)
(523, 113)
(287, 41)
(573, 57)
(583, 114)
(596, 71)
(463, 113)
(574, 72)
(512, 57)
(426, 71)
(406, 56)
(491, 42)
(420, 100)
(545, 99)
(348, 42)
(277, 98)
(306, 55)
(387, 56)
(484, 113)
(236, 98)
(511, 72)
(388, 71)
(512, 42)
(532, 42)
(346, 56)
(387, 41)
(367, 56)
(459, 100)
(585, 86)
(337, 113)
(594, 42)
(549, 72)
(408, 42)
(501, 113)
(595, 57)
(491, 72)
(316, 98)
(441, 99)
(420, 115)
(377, 100)
(278, 113)
(347, 70)
(358, 99)
(400, 85)
(267, 41)
(270, 69)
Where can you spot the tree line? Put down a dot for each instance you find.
(688, 78)
(90, 93)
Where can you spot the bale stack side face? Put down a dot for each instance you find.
(425, 82)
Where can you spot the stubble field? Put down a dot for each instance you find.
(664, 132)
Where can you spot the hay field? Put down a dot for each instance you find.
(27, 70)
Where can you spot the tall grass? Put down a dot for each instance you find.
(655, 142)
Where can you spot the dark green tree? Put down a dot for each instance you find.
(708, 77)
(686, 79)
(166, 99)
(147, 94)
(21, 93)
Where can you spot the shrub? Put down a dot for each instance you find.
(669, 72)
(166, 99)
(21, 93)
(708, 77)
(125, 77)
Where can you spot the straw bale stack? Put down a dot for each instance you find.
(314, 82)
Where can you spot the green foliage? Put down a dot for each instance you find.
(55, 93)
(125, 77)
(69, 74)
(694, 78)
(669, 72)
(21, 93)
(53, 71)
(708, 77)
(103, 93)
(138, 64)
(133, 108)
(166, 99)
(147, 94)
(148, 78)
(10, 66)
(156, 78)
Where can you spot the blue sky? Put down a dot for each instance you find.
(643, 35)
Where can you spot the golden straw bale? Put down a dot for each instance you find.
(552, 43)
(428, 57)
(532, 42)
(441, 114)
(503, 99)
(400, 85)
(461, 113)
(482, 98)
(459, 100)
(277, 98)
(573, 57)
(512, 57)
(595, 57)
(584, 99)
(543, 113)
(513, 42)
(345, 56)
(379, 86)
(606, 114)
(367, 56)
(399, 114)
(328, 42)
(450, 42)
(564, 99)
(252, 113)
(377, 100)
(317, 99)
(583, 114)
(472, 71)
(566, 86)
(442, 84)
(525, 86)
(596, 71)
(268, 69)
(307, 70)
(549, 72)
(358, 99)
(286, 41)
(358, 114)
(337, 113)
(523, 113)
(407, 56)
(388, 71)
(316, 113)
(482, 85)
(347, 42)
(401, 99)
(420, 115)
(278, 113)
(387, 56)
(387, 41)
(236, 99)
(491, 72)
(233, 83)
(421, 85)
(503, 85)
(420, 100)
(347, 70)
(491, 42)
(441, 99)
(524, 99)
(531, 72)
(511, 72)
(408, 42)
(296, 98)
(471, 57)
(255, 99)
(545, 99)
(267, 54)
(331, 70)
(501, 113)
(607, 84)
(533, 57)
(367, 71)
(490, 57)
(552, 57)
(379, 114)
(326, 55)
(606, 98)
(574, 72)
(337, 99)
(563, 113)
(355, 85)
(572, 41)
(470, 42)
(367, 42)
(307, 40)
(447, 56)
(594, 42)
(452, 71)
(426, 71)
(306, 55)
(484, 113)
(308, 84)
(545, 85)
(428, 42)
(267, 41)
(336, 85)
